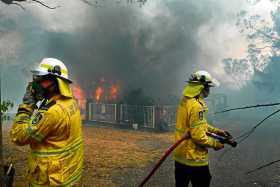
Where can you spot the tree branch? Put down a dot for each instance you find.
(14, 2)
(268, 36)
(260, 48)
(91, 4)
(43, 4)
(18, 5)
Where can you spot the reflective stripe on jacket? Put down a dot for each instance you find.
(55, 138)
(191, 119)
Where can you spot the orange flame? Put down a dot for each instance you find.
(98, 93)
(79, 95)
(114, 90)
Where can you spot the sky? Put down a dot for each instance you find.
(154, 47)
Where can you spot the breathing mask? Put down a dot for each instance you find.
(41, 89)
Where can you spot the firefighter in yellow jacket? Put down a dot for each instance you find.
(191, 156)
(49, 122)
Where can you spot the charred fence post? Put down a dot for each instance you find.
(88, 101)
(118, 113)
(160, 123)
(157, 116)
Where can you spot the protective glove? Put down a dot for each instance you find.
(218, 146)
(225, 134)
(29, 97)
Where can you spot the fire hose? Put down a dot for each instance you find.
(224, 140)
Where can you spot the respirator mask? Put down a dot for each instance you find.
(42, 86)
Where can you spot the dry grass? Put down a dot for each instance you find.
(108, 151)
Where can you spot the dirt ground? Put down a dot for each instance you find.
(115, 157)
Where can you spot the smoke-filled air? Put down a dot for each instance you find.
(132, 64)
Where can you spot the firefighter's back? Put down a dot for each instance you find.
(62, 149)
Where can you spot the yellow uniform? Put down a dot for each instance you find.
(55, 138)
(191, 119)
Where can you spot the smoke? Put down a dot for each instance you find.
(154, 47)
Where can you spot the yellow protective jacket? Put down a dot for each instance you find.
(191, 119)
(55, 138)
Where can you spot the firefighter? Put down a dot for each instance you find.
(48, 120)
(191, 156)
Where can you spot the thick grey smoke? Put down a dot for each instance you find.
(154, 47)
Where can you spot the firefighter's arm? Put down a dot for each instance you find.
(26, 130)
(199, 127)
(218, 131)
(214, 129)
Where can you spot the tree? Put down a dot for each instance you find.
(263, 36)
(5, 106)
(263, 51)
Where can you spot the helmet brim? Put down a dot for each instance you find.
(214, 83)
(40, 73)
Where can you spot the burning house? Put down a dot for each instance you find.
(132, 108)
(107, 104)
(106, 92)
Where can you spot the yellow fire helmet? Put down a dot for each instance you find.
(53, 66)
(197, 82)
